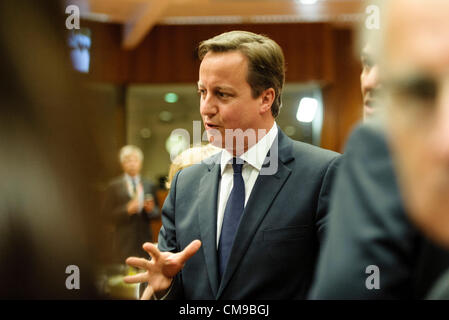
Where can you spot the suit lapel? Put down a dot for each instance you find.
(262, 196)
(208, 194)
(124, 191)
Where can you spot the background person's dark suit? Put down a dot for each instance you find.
(130, 231)
(276, 245)
(368, 226)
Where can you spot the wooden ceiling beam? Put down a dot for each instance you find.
(145, 17)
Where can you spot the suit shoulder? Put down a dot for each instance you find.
(117, 181)
(196, 170)
(308, 152)
(367, 137)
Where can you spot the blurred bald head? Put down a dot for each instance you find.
(416, 31)
(414, 59)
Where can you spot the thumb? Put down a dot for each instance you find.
(189, 251)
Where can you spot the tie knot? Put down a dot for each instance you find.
(237, 165)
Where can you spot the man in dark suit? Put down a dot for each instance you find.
(368, 226)
(129, 205)
(258, 208)
(388, 183)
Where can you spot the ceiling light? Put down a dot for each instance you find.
(145, 133)
(166, 116)
(307, 110)
(175, 144)
(171, 97)
(307, 1)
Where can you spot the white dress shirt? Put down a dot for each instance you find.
(254, 158)
(139, 189)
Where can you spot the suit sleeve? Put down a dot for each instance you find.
(367, 227)
(321, 219)
(167, 236)
(113, 209)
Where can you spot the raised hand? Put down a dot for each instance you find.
(132, 207)
(162, 267)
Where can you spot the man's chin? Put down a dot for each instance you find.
(214, 140)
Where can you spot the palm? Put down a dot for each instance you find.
(162, 267)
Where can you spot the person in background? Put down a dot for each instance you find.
(190, 157)
(389, 216)
(369, 82)
(130, 203)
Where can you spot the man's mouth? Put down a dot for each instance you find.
(371, 103)
(209, 125)
(370, 106)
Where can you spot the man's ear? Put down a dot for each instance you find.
(267, 98)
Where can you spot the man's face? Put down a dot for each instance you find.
(132, 164)
(226, 100)
(417, 81)
(370, 82)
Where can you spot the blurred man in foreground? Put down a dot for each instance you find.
(373, 251)
(49, 226)
(417, 71)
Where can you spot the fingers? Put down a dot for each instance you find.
(138, 263)
(189, 251)
(152, 250)
(147, 294)
(138, 278)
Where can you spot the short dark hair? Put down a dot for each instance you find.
(265, 61)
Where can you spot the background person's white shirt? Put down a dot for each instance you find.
(139, 189)
(254, 158)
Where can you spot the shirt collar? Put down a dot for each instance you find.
(255, 156)
(129, 178)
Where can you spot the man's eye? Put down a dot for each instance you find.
(422, 89)
(201, 92)
(222, 94)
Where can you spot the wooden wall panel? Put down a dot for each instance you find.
(342, 98)
(109, 63)
(314, 52)
(168, 53)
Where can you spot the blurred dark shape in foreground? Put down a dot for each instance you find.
(49, 159)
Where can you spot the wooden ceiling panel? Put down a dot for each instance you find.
(139, 16)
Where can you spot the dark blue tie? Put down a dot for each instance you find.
(134, 185)
(232, 215)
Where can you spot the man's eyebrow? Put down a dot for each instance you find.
(228, 88)
(224, 88)
(414, 81)
(412, 76)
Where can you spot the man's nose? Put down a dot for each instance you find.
(208, 106)
(372, 79)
